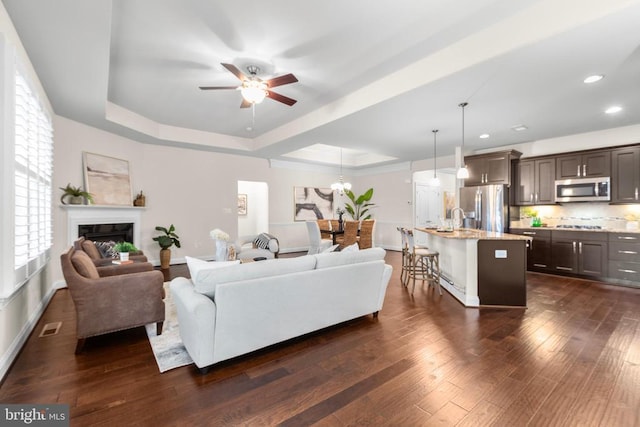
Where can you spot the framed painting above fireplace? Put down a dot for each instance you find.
(107, 179)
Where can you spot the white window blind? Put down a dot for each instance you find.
(33, 170)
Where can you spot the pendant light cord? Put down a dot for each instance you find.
(435, 131)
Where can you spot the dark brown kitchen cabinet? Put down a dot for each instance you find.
(535, 181)
(624, 256)
(583, 165)
(625, 175)
(577, 252)
(539, 248)
(492, 168)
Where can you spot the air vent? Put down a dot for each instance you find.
(50, 329)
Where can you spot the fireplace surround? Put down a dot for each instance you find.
(111, 217)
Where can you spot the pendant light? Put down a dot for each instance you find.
(435, 181)
(463, 172)
(341, 186)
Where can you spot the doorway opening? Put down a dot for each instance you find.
(253, 208)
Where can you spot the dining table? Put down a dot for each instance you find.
(334, 234)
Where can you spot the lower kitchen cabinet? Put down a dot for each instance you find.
(581, 253)
(624, 256)
(539, 248)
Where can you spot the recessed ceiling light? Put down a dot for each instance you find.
(614, 109)
(484, 136)
(594, 78)
(519, 128)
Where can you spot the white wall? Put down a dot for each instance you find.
(257, 218)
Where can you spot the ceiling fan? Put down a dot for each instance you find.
(254, 89)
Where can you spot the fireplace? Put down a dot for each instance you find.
(122, 232)
(104, 223)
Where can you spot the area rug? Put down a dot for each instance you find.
(168, 348)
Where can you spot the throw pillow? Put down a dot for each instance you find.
(196, 265)
(84, 266)
(351, 248)
(106, 249)
(330, 249)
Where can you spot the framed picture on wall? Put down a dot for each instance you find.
(242, 204)
(312, 203)
(107, 179)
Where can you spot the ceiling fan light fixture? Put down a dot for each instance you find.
(254, 91)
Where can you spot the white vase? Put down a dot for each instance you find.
(222, 250)
(124, 256)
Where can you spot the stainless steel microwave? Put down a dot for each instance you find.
(583, 190)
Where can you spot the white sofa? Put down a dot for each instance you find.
(230, 311)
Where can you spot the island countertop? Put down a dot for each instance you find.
(469, 233)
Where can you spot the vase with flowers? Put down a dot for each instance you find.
(340, 212)
(222, 244)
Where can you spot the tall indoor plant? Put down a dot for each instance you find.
(166, 240)
(360, 205)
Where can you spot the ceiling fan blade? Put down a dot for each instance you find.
(281, 80)
(217, 87)
(234, 70)
(281, 98)
(245, 104)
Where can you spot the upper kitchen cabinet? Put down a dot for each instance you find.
(625, 175)
(534, 182)
(583, 165)
(491, 168)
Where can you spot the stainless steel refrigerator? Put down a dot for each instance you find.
(486, 207)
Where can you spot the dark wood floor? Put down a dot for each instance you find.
(572, 358)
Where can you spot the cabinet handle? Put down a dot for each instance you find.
(543, 266)
(627, 238)
(564, 268)
(530, 233)
(626, 271)
(574, 247)
(578, 174)
(580, 248)
(531, 197)
(537, 198)
(627, 252)
(584, 170)
(636, 193)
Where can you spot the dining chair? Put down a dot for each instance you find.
(365, 240)
(423, 263)
(335, 224)
(324, 224)
(316, 243)
(350, 235)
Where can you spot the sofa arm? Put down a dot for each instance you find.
(196, 320)
(117, 269)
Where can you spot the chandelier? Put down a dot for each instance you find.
(463, 172)
(341, 186)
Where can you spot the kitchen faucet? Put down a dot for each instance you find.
(457, 221)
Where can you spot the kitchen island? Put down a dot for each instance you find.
(482, 268)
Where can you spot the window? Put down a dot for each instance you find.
(33, 166)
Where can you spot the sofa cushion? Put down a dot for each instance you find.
(84, 265)
(196, 265)
(90, 248)
(330, 249)
(335, 259)
(207, 280)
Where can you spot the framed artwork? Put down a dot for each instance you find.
(312, 203)
(242, 204)
(449, 202)
(107, 179)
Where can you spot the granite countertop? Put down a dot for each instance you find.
(472, 234)
(602, 230)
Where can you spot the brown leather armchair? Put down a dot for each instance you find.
(113, 303)
(105, 265)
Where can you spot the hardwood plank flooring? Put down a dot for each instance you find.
(572, 358)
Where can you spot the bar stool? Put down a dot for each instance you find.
(404, 275)
(424, 264)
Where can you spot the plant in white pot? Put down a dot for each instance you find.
(166, 240)
(74, 195)
(123, 248)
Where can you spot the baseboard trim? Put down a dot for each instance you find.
(11, 354)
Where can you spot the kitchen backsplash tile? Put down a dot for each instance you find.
(594, 214)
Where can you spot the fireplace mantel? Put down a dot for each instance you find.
(98, 214)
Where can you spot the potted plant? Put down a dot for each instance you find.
(360, 205)
(166, 240)
(123, 248)
(76, 195)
